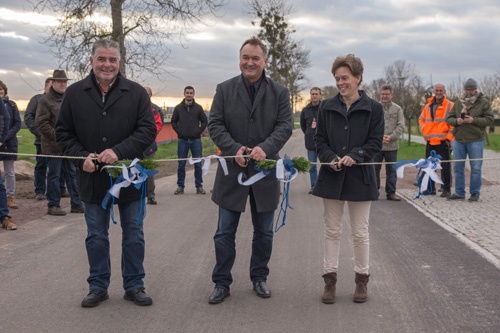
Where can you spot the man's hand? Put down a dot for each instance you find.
(257, 154)
(386, 139)
(107, 157)
(242, 161)
(89, 165)
(468, 120)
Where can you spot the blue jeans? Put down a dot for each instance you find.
(225, 246)
(312, 156)
(56, 167)
(475, 151)
(183, 147)
(97, 244)
(4, 209)
(390, 173)
(40, 174)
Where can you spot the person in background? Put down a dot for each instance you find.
(5, 219)
(308, 120)
(470, 117)
(251, 119)
(10, 144)
(189, 121)
(350, 131)
(394, 120)
(438, 134)
(40, 175)
(46, 116)
(150, 152)
(91, 125)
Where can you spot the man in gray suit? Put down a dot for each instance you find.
(251, 119)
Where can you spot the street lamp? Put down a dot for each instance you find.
(402, 80)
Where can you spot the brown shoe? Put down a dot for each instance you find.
(393, 197)
(77, 209)
(361, 292)
(330, 288)
(445, 194)
(11, 203)
(8, 224)
(65, 194)
(57, 211)
(40, 197)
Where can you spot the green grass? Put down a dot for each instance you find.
(412, 152)
(26, 144)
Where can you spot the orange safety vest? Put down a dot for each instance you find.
(435, 130)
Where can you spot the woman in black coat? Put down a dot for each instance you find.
(349, 132)
(9, 144)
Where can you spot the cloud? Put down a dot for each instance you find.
(441, 39)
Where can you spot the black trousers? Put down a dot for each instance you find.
(442, 149)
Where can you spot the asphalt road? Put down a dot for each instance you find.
(423, 279)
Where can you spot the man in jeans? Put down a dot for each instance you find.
(308, 119)
(471, 115)
(394, 126)
(189, 121)
(106, 118)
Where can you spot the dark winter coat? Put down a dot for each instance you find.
(308, 116)
(13, 121)
(189, 121)
(30, 115)
(236, 122)
(3, 122)
(89, 123)
(45, 121)
(357, 133)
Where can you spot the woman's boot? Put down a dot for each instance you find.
(329, 293)
(361, 292)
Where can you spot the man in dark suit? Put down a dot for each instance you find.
(251, 119)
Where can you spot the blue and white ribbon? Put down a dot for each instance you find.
(133, 174)
(426, 171)
(207, 161)
(285, 173)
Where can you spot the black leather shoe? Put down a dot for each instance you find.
(94, 298)
(152, 201)
(138, 296)
(261, 289)
(217, 296)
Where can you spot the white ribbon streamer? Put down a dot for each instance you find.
(131, 175)
(207, 162)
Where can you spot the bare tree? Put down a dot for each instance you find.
(329, 91)
(408, 88)
(287, 58)
(143, 30)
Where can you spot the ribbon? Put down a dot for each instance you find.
(286, 175)
(426, 170)
(133, 174)
(207, 161)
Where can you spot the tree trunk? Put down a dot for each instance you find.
(118, 34)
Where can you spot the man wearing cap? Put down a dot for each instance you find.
(438, 134)
(471, 115)
(45, 121)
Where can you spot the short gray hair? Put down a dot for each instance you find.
(105, 43)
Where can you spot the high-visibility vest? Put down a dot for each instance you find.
(436, 129)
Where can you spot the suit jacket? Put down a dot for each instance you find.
(235, 122)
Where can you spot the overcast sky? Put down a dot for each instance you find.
(442, 39)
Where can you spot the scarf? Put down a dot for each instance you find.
(467, 102)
